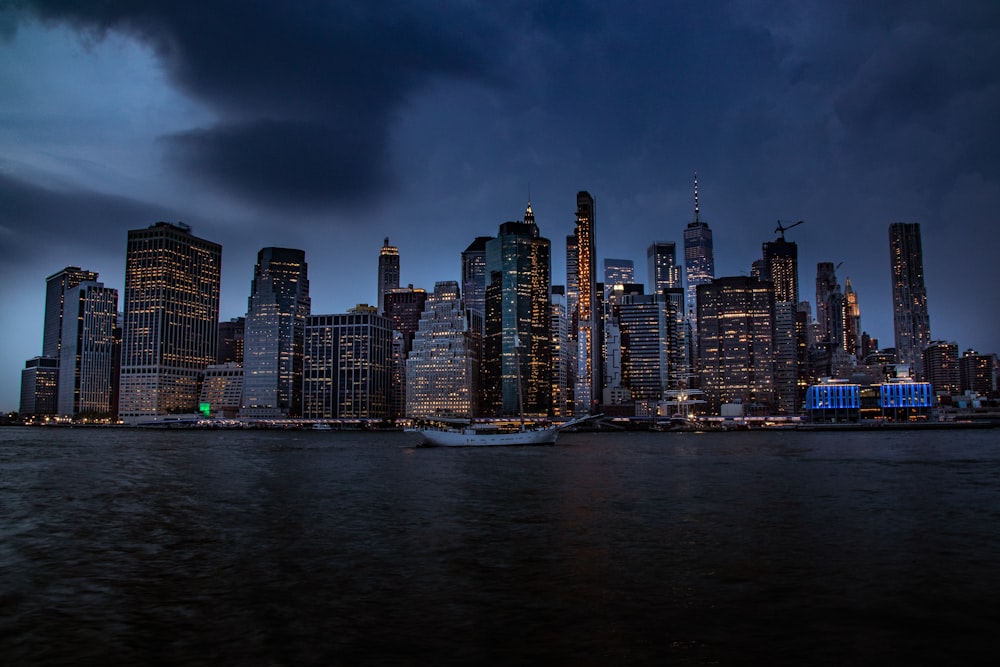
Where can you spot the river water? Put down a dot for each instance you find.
(192, 547)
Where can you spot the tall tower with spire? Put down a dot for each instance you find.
(699, 257)
(388, 272)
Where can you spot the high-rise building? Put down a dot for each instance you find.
(940, 360)
(643, 326)
(735, 351)
(518, 342)
(699, 257)
(619, 272)
(826, 285)
(852, 320)
(780, 267)
(277, 309)
(40, 378)
(588, 351)
(86, 355)
(443, 366)
(561, 405)
(403, 307)
(911, 323)
(978, 373)
(55, 291)
(171, 319)
(572, 319)
(661, 265)
(474, 275)
(231, 335)
(39, 387)
(388, 272)
(347, 368)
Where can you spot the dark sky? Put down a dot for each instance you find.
(328, 126)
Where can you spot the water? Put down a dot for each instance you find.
(318, 548)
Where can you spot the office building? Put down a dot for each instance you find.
(171, 320)
(911, 322)
(231, 336)
(388, 272)
(589, 379)
(442, 369)
(39, 387)
(735, 351)
(347, 370)
(826, 285)
(780, 267)
(661, 266)
(277, 309)
(618, 272)
(55, 291)
(978, 373)
(87, 351)
(474, 275)
(403, 308)
(517, 344)
(940, 362)
(852, 320)
(562, 405)
(222, 391)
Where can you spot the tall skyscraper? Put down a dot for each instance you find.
(55, 291)
(388, 272)
(171, 322)
(443, 366)
(561, 405)
(735, 354)
(588, 347)
(826, 285)
(661, 265)
(86, 356)
(277, 309)
(618, 272)
(780, 267)
(518, 321)
(699, 257)
(474, 275)
(347, 368)
(911, 322)
(852, 320)
(40, 377)
(403, 307)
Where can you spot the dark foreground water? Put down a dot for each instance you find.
(312, 548)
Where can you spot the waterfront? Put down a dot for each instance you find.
(289, 548)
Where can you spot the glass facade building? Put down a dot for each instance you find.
(911, 323)
(87, 354)
(277, 309)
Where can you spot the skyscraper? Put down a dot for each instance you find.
(588, 348)
(517, 327)
(55, 291)
(661, 265)
(171, 323)
(86, 356)
(403, 308)
(780, 267)
(443, 366)
(474, 275)
(231, 337)
(911, 323)
(735, 354)
(699, 258)
(852, 319)
(347, 366)
(826, 284)
(275, 325)
(618, 272)
(40, 377)
(941, 367)
(388, 272)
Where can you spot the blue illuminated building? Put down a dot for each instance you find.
(833, 401)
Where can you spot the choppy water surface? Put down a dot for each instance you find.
(313, 548)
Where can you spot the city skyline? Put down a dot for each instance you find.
(107, 130)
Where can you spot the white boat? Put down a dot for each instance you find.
(489, 435)
(321, 426)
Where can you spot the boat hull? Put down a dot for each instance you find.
(469, 438)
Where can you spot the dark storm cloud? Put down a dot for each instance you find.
(33, 218)
(304, 91)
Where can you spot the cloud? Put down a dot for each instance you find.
(304, 92)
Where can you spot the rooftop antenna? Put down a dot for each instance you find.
(696, 196)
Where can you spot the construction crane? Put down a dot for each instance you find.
(781, 228)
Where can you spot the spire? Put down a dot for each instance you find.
(696, 197)
(529, 216)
